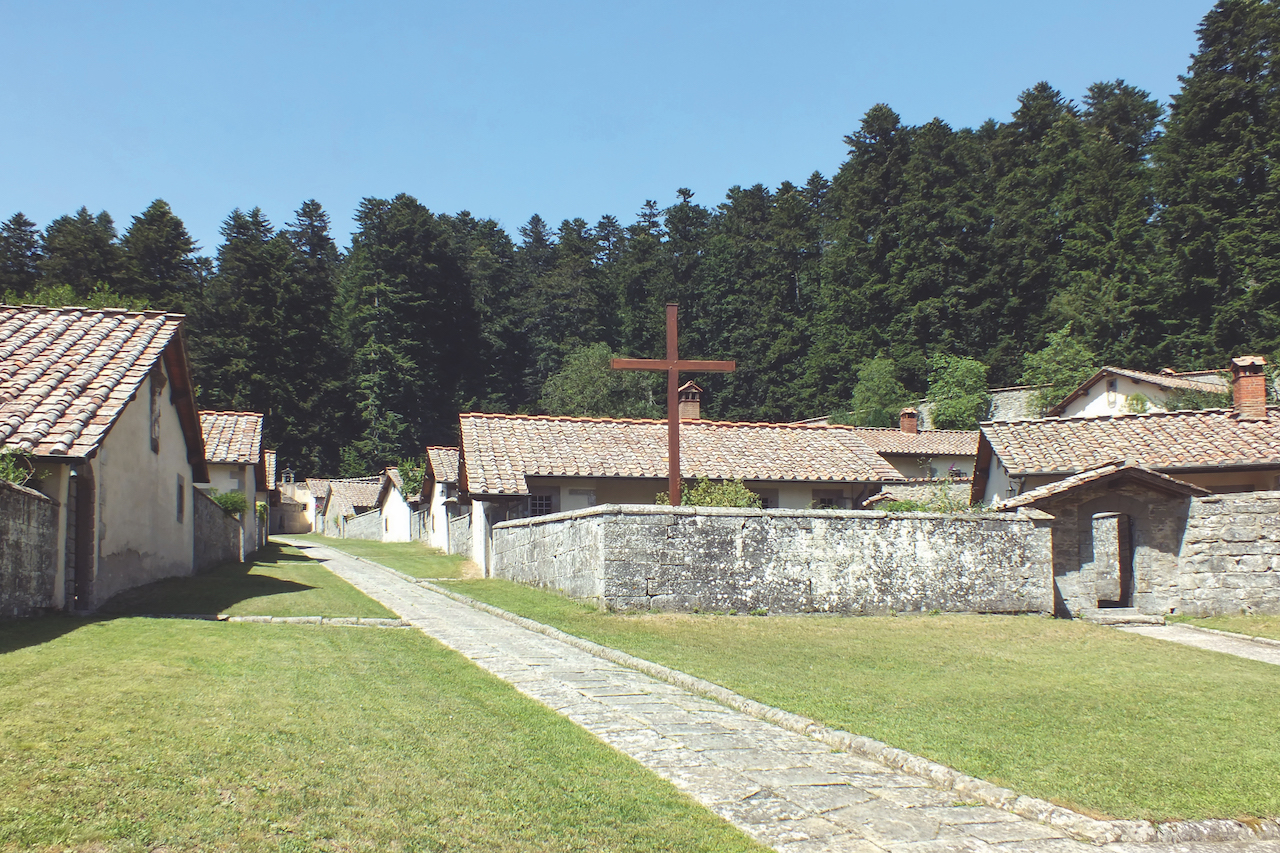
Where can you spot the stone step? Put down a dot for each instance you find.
(1121, 616)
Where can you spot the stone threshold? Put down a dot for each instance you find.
(1079, 826)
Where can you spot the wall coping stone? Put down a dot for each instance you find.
(1024, 515)
(29, 492)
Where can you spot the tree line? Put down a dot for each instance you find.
(1139, 234)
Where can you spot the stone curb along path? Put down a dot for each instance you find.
(957, 825)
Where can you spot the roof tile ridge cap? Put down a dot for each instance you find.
(570, 418)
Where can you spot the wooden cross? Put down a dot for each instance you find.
(672, 365)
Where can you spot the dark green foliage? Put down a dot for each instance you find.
(958, 396)
(232, 502)
(19, 257)
(587, 386)
(412, 325)
(877, 399)
(413, 474)
(159, 263)
(81, 251)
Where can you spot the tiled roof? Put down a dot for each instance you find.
(317, 486)
(271, 468)
(232, 438)
(349, 496)
(66, 374)
(444, 463)
(1111, 470)
(926, 442)
(1168, 381)
(500, 451)
(393, 474)
(1160, 440)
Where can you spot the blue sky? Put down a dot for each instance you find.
(509, 109)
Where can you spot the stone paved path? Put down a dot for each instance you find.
(785, 790)
(1176, 633)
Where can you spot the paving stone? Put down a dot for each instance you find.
(790, 792)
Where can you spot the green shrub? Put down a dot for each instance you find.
(232, 502)
(15, 466)
(721, 493)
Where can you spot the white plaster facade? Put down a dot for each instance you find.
(395, 511)
(438, 517)
(1110, 396)
(144, 528)
(225, 478)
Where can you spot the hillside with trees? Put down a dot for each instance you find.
(936, 259)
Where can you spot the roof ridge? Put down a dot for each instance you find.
(663, 421)
(84, 309)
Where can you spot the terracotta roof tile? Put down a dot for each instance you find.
(232, 437)
(66, 374)
(347, 497)
(1160, 440)
(444, 463)
(501, 451)
(271, 468)
(926, 442)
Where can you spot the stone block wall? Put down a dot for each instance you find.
(364, 526)
(1230, 557)
(219, 536)
(682, 558)
(28, 550)
(460, 531)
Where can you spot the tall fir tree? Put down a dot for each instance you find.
(81, 251)
(158, 259)
(19, 256)
(1220, 190)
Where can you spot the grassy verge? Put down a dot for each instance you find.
(412, 558)
(279, 581)
(1252, 626)
(141, 734)
(1092, 718)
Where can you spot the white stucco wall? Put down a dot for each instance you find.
(438, 532)
(238, 478)
(395, 517)
(480, 534)
(935, 466)
(53, 480)
(1099, 402)
(140, 538)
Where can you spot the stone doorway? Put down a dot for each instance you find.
(1113, 559)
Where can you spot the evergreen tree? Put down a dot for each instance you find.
(412, 324)
(19, 257)
(586, 386)
(81, 251)
(1221, 209)
(158, 259)
(878, 397)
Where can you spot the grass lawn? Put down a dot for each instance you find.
(1088, 717)
(412, 558)
(280, 581)
(145, 734)
(1253, 626)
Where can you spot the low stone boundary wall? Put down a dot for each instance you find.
(460, 530)
(219, 535)
(28, 550)
(1230, 557)
(840, 561)
(365, 526)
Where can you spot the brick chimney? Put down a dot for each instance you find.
(690, 402)
(1249, 387)
(909, 421)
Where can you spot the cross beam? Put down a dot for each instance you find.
(672, 365)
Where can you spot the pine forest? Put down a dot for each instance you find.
(1117, 230)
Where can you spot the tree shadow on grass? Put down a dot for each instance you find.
(212, 591)
(18, 634)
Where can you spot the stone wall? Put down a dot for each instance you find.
(28, 550)
(364, 526)
(682, 558)
(460, 530)
(1201, 556)
(1230, 557)
(219, 534)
